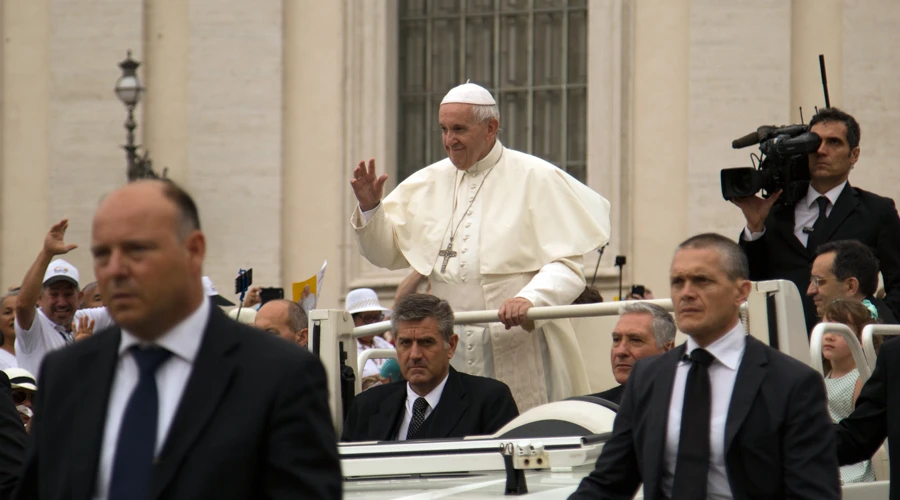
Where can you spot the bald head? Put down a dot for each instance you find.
(284, 318)
(148, 256)
(90, 296)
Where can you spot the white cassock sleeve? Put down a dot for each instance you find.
(375, 235)
(558, 283)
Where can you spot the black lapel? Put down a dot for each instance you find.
(750, 375)
(96, 368)
(784, 226)
(210, 377)
(450, 409)
(383, 425)
(658, 419)
(843, 207)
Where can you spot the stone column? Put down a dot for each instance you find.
(659, 188)
(164, 71)
(314, 168)
(816, 28)
(25, 146)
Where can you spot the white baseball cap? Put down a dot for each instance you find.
(59, 270)
(20, 378)
(363, 300)
(210, 290)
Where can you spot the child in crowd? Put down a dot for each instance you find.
(841, 375)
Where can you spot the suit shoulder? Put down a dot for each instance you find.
(786, 365)
(76, 349)
(873, 199)
(270, 350)
(654, 363)
(378, 393)
(890, 350)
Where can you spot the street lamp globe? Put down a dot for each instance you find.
(128, 86)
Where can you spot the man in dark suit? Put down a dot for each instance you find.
(875, 416)
(643, 330)
(177, 401)
(847, 269)
(781, 241)
(723, 415)
(435, 401)
(12, 439)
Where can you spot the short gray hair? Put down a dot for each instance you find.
(663, 325)
(297, 318)
(420, 306)
(485, 112)
(734, 260)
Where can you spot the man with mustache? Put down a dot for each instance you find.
(781, 241)
(643, 330)
(435, 401)
(50, 326)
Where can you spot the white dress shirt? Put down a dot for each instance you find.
(433, 398)
(171, 378)
(728, 351)
(45, 336)
(806, 211)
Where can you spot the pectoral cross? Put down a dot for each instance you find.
(447, 254)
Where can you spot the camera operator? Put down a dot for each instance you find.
(780, 241)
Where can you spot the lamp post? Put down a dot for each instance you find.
(128, 90)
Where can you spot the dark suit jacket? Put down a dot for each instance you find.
(779, 441)
(856, 215)
(12, 440)
(885, 314)
(877, 415)
(468, 406)
(253, 421)
(613, 395)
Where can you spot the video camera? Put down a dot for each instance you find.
(784, 164)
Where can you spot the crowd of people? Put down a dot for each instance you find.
(139, 385)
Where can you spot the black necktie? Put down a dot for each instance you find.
(692, 464)
(135, 448)
(418, 417)
(818, 233)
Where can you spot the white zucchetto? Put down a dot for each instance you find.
(469, 93)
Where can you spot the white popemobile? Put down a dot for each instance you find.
(546, 451)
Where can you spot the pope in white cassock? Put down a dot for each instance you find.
(492, 228)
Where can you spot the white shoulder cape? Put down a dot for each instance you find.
(534, 213)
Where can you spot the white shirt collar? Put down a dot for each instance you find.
(832, 195)
(728, 349)
(183, 340)
(488, 162)
(432, 397)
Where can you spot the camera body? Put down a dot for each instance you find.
(268, 294)
(784, 165)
